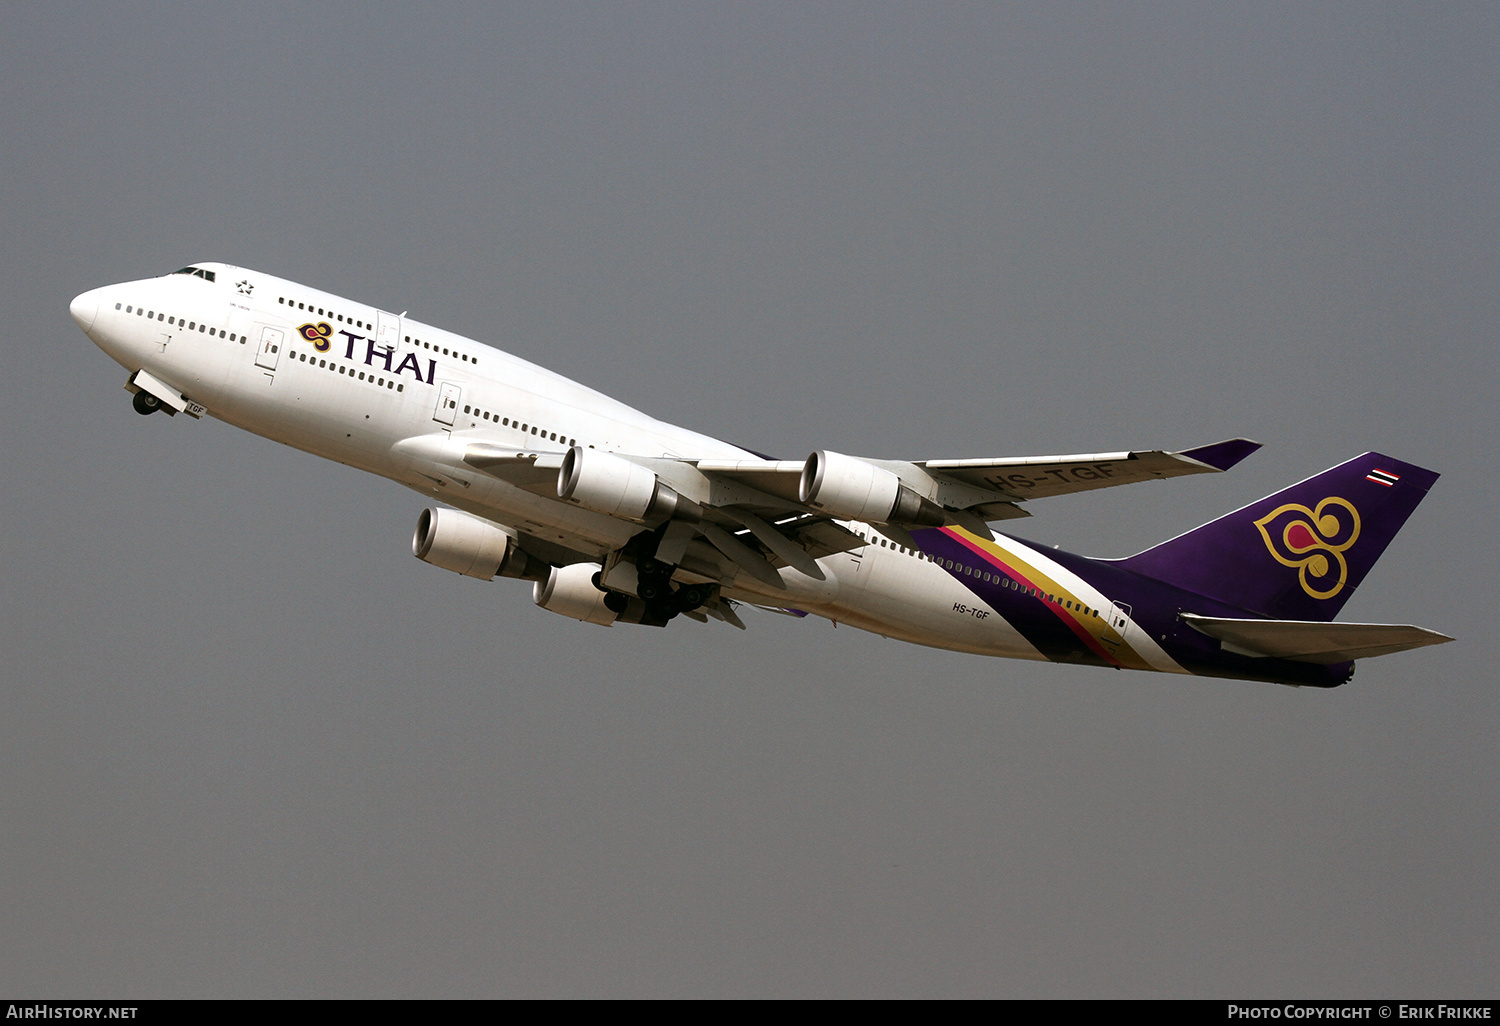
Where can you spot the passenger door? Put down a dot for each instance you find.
(270, 348)
(447, 405)
(388, 330)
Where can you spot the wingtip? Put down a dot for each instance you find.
(1222, 455)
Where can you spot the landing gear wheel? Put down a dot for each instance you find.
(660, 611)
(650, 590)
(145, 403)
(690, 597)
(648, 567)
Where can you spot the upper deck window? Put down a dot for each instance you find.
(197, 272)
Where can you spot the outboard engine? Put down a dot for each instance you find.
(471, 546)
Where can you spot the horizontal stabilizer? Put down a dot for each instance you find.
(1313, 642)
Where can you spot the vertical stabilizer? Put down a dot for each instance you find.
(1298, 554)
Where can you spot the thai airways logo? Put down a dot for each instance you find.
(1314, 541)
(318, 334)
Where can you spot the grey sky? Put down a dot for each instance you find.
(249, 746)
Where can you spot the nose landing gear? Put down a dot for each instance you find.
(145, 403)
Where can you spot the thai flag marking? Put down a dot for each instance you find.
(1383, 477)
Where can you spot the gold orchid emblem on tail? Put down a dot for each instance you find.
(1314, 541)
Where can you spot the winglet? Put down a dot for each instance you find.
(1222, 455)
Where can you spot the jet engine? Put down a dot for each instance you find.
(469, 545)
(570, 590)
(606, 483)
(852, 489)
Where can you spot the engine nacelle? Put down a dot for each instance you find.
(459, 542)
(852, 489)
(606, 483)
(570, 590)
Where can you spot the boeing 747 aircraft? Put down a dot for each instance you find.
(620, 518)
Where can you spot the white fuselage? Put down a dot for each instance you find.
(376, 391)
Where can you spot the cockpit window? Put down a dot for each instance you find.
(197, 272)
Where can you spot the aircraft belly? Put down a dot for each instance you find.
(198, 370)
(299, 409)
(903, 596)
(591, 533)
(196, 364)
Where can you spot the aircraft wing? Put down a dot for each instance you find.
(989, 488)
(754, 513)
(1312, 641)
(1037, 477)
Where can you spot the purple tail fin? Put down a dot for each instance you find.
(1298, 554)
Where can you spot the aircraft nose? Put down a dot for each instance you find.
(84, 309)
